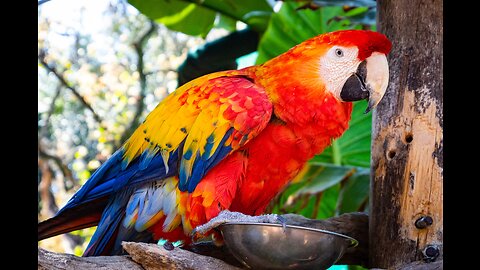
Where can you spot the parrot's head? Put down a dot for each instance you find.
(353, 65)
(350, 64)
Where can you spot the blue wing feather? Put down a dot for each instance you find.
(203, 164)
(111, 217)
(111, 177)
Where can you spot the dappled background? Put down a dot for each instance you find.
(104, 64)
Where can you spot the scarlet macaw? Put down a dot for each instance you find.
(227, 140)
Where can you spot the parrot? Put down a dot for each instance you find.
(230, 140)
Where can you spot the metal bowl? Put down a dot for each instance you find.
(270, 246)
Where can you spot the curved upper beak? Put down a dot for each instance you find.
(369, 81)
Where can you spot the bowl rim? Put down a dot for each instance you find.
(353, 241)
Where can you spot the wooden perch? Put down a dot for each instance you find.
(143, 256)
(207, 256)
(56, 261)
(153, 257)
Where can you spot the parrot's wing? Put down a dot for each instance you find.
(187, 134)
(201, 123)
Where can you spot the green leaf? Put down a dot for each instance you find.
(289, 27)
(188, 18)
(322, 176)
(355, 192)
(242, 11)
(326, 190)
(368, 17)
(360, 16)
(328, 203)
(197, 17)
(356, 267)
(226, 23)
(192, 20)
(316, 195)
(354, 3)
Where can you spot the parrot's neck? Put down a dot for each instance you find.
(314, 114)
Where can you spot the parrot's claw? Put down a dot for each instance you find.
(193, 235)
(226, 216)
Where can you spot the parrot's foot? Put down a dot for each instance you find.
(226, 216)
(169, 245)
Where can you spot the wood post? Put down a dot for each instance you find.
(407, 138)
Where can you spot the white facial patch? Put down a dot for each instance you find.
(336, 66)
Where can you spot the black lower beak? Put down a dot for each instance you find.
(354, 88)
(372, 85)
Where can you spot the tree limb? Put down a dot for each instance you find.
(154, 257)
(58, 261)
(63, 168)
(436, 265)
(49, 207)
(138, 45)
(61, 78)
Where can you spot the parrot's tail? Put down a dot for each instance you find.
(79, 217)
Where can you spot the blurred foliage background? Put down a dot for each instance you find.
(104, 64)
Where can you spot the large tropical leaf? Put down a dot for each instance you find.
(291, 25)
(355, 192)
(197, 17)
(182, 16)
(356, 3)
(325, 190)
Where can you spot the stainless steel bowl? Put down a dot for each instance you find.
(270, 246)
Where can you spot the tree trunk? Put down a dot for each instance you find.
(407, 138)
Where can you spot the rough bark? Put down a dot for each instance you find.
(154, 257)
(418, 265)
(56, 261)
(437, 265)
(407, 139)
(142, 256)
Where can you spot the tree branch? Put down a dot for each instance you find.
(61, 78)
(49, 207)
(63, 168)
(49, 260)
(138, 46)
(154, 257)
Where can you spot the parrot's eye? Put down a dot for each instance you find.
(338, 52)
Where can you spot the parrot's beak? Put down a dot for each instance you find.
(369, 81)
